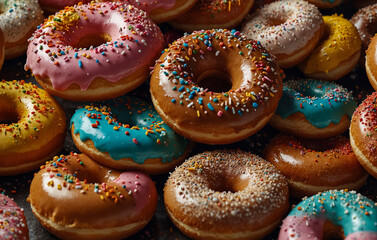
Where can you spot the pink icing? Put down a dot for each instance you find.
(12, 220)
(140, 185)
(149, 5)
(136, 40)
(362, 236)
(294, 227)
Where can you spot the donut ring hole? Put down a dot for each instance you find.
(215, 80)
(8, 112)
(227, 182)
(332, 232)
(93, 40)
(311, 92)
(277, 20)
(324, 145)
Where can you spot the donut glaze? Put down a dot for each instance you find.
(365, 20)
(76, 198)
(216, 116)
(14, 14)
(12, 220)
(226, 195)
(313, 109)
(288, 29)
(313, 166)
(213, 14)
(127, 133)
(337, 54)
(59, 61)
(363, 135)
(356, 214)
(32, 127)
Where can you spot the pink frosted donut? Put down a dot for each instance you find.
(12, 220)
(94, 51)
(76, 198)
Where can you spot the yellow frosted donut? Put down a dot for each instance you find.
(32, 127)
(337, 54)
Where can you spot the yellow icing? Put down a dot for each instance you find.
(341, 41)
(63, 19)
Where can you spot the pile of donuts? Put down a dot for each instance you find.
(218, 73)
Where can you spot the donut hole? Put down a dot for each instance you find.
(276, 21)
(312, 92)
(92, 40)
(325, 144)
(228, 183)
(8, 112)
(332, 232)
(215, 80)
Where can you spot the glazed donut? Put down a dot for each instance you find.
(313, 166)
(353, 212)
(162, 10)
(325, 3)
(288, 29)
(109, 55)
(127, 133)
(363, 135)
(32, 127)
(12, 220)
(213, 14)
(313, 109)
(216, 86)
(371, 63)
(337, 54)
(226, 195)
(76, 198)
(365, 21)
(18, 20)
(53, 6)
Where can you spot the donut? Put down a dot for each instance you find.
(353, 212)
(162, 10)
(337, 54)
(325, 3)
(216, 86)
(370, 63)
(32, 127)
(12, 220)
(53, 6)
(313, 166)
(76, 198)
(213, 14)
(226, 195)
(313, 109)
(363, 135)
(288, 29)
(127, 133)
(365, 21)
(109, 55)
(18, 20)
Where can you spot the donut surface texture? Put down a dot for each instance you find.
(313, 109)
(32, 127)
(226, 195)
(76, 198)
(216, 86)
(356, 214)
(127, 133)
(94, 51)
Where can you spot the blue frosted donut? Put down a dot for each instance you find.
(313, 107)
(356, 214)
(127, 133)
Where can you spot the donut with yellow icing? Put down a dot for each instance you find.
(226, 195)
(213, 14)
(18, 20)
(313, 166)
(94, 51)
(371, 63)
(32, 127)
(337, 54)
(76, 198)
(216, 86)
(288, 29)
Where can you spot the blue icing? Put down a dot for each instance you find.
(352, 211)
(321, 102)
(137, 144)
